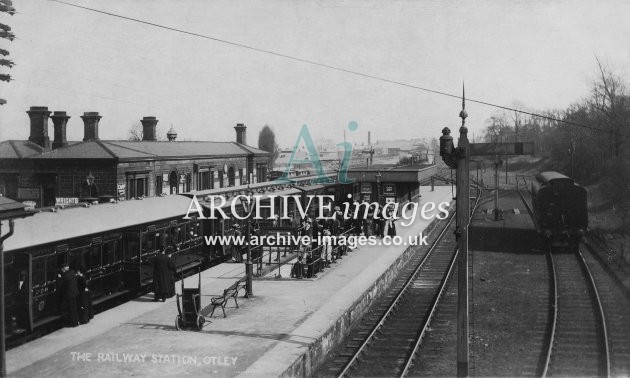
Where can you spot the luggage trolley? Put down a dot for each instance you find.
(190, 308)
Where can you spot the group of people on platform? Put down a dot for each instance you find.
(75, 296)
(311, 260)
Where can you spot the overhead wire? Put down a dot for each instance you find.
(340, 69)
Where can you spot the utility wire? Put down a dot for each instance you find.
(340, 69)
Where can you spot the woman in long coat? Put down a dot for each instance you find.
(163, 277)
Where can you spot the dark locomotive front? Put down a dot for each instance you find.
(560, 208)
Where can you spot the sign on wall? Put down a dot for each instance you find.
(121, 190)
(366, 188)
(66, 200)
(28, 193)
(389, 189)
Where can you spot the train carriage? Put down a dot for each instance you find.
(560, 208)
(114, 244)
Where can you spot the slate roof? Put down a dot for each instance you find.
(15, 149)
(123, 150)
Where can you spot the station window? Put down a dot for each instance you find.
(137, 185)
(205, 179)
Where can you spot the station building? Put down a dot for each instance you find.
(385, 184)
(47, 174)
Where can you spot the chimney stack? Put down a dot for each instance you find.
(60, 120)
(369, 138)
(241, 133)
(90, 126)
(39, 125)
(149, 126)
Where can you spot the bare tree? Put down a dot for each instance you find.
(267, 142)
(135, 133)
(6, 6)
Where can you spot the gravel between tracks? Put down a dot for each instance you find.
(508, 324)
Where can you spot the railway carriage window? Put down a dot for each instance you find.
(160, 240)
(94, 259)
(131, 246)
(111, 252)
(39, 271)
(52, 267)
(182, 236)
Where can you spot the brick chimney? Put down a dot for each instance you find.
(241, 133)
(90, 125)
(60, 120)
(149, 126)
(39, 125)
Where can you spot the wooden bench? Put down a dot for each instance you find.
(230, 292)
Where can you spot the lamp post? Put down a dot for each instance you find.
(378, 186)
(249, 269)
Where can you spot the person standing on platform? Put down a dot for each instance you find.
(163, 280)
(84, 299)
(390, 225)
(237, 249)
(69, 290)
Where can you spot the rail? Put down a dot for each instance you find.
(434, 307)
(600, 314)
(408, 283)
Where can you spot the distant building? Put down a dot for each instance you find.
(36, 170)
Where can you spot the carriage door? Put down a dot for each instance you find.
(17, 290)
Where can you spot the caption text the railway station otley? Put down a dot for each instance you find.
(152, 358)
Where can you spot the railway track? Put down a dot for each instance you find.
(387, 338)
(616, 305)
(578, 344)
(577, 333)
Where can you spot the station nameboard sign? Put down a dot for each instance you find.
(520, 148)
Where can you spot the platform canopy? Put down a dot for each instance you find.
(12, 209)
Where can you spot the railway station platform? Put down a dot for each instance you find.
(515, 228)
(284, 330)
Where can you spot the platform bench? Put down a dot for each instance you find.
(230, 292)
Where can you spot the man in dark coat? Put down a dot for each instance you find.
(84, 299)
(69, 290)
(163, 280)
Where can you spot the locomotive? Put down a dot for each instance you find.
(560, 209)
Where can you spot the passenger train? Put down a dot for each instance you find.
(114, 244)
(560, 209)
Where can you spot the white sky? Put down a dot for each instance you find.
(541, 54)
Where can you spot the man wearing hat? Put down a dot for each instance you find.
(69, 291)
(237, 250)
(163, 276)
